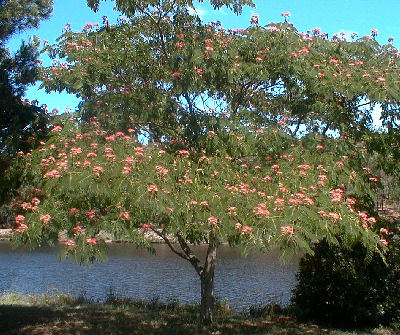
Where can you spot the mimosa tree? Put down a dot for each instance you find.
(221, 163)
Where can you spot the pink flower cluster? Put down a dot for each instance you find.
(243, 228)
(20, 221)
(91, 240)
(52, 174)
(287, 230)
(98, 170)
(301, 199)
(45, 218)
(125, 216)
(337, 195)
(332, 215)
(366, 220)
(56, 129)
(261, 210)
(160, 170)
(152, 189)
(212, 220)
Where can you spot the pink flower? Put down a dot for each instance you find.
(160, 170)
(56, 129)
(175, 74)
(97, 170)
(146, 225)
(152, 189)
(384, 231)
(279, 202)
(192, 202)
(126, 170)
(308, 201)
(304, 166)
(334, 216)
(91, 214)
(254, 19)
(125, 216)
(129, 160)
(209, 48)
(287, 230)
(322, 213)
(19, 219)
(183, 152)
(21, 227)
(52, 174)
(232, 210)
(45, 218)
(69, 243)
(91, 240)
(384, 242)
(246, 230)
(199, 70)
(337, 195)
(74, 211)
(91, 154)
(374, 32)
(76, 151)
(212, 220)
(285, 14)
(35, 201)
(26, 206)
(340, 164)
(261, 210)
(77, 228)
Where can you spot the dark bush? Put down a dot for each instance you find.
(337, 287)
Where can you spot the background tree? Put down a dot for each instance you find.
(22, 122)
(220, 110)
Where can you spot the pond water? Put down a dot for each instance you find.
(131, 272)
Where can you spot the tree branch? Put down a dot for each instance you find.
(190, 256)
(168, 242)
(298, 125)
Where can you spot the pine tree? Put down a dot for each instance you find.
(22, 122)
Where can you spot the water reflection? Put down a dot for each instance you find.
(132, 272)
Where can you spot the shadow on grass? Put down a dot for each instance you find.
(134, 319)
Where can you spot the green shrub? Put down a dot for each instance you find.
(338, 287)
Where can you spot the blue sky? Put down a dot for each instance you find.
(332, 16)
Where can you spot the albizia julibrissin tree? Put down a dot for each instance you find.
(221, 163)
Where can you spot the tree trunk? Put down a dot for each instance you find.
(207, 285)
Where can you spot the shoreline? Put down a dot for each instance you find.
(7, 233)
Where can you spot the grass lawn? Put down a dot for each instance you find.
(58, 314)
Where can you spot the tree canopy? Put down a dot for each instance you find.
(223, 162)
